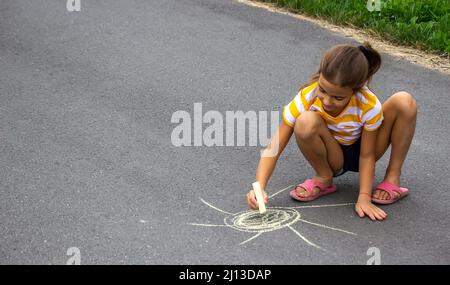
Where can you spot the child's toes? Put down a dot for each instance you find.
(380, 194)
(302, 192)
(305, 193)
(376, 194)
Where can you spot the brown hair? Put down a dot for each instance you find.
(348, 66)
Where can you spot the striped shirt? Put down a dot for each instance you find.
(362, 111)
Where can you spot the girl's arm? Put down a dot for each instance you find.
(272, 152)
(269, 159)
(364, 205)
(367, 162)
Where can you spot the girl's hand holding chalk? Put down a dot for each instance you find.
(252, 200)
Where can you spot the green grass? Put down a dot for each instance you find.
(424, 24)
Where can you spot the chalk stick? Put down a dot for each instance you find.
(259, 197)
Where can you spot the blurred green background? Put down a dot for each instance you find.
(424, 24)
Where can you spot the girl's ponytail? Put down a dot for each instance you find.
(373, 58)
(348, 66)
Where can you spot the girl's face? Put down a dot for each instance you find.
(333, 97)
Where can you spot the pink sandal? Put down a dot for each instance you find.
(309, 185)
(391, 189)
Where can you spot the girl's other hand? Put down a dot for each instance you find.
(251, 199)
(365, 207)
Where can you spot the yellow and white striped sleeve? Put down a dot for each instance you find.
(373, 118)
(292, 110)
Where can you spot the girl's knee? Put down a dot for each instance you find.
(307, 125)
(406, 104)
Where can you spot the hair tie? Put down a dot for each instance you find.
(362, 48)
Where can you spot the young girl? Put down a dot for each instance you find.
(340, 125)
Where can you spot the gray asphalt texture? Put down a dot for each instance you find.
(86, 158)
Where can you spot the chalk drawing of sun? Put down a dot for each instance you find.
(276, 218)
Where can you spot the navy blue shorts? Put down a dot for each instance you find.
(351, 157)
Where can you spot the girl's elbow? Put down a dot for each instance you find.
(271, 150)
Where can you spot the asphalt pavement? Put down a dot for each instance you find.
(87, 158)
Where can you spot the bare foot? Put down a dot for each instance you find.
(383, 195)
(303, 193)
